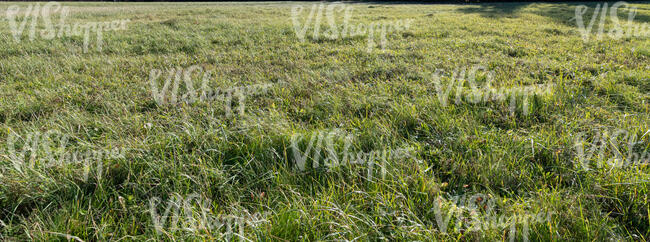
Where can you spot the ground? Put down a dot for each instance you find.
(349, 98)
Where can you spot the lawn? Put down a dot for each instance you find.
(365, 121)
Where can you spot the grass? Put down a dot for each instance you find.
(385, 99)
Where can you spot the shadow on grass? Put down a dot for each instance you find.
(561, 12)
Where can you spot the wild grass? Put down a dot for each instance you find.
(384, 98)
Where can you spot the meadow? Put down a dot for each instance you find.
(253, 121)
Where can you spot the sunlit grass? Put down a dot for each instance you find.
(384, 98)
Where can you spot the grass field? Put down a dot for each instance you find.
(93, 148)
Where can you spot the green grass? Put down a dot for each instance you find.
(385, 99)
